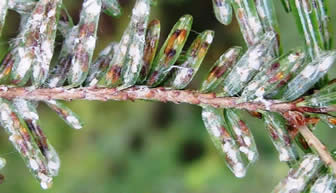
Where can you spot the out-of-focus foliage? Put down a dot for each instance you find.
(150, 147)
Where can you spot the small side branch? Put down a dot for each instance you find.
(321, 149)
(152, 94)
(297, 120)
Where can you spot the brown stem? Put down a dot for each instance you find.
(152, 94)
(289, 110)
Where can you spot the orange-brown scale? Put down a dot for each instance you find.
(60, 111)
(242, 20)
(40, 138)
(49, 7)
(307, 8)
(217, 72)
(273, 132)
(275, 66)
(83, 58)
(332, 121)
(243, 127)
(277, 77)
(224, 133)
(114, 74)
(202, 50)
(66, 63)
(2, 178)
(39, 9)
(153, 78)
(7, 58)
(149, 54)
(32, 39)
(304, 144)
(284, 81)
(86, 30)
(177, 37)
(312, 120)
(6, 66)
(255, 114)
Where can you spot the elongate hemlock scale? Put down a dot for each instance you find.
(151, 45)
(22, 139)
(28, 112)
(128, 59)
(221, 68)
(84, 42)
(248, 20)
(214, 120)
(278, 132)
(100, 64)
(111, 7)
(170, 51)
(218, 130)
(134, 55)
(248, 65)
(223, 11)
(299, 177)
(324, 184)
(242, 135)
(182, 75)
(309, 75)
(35, 43)
(274, 76)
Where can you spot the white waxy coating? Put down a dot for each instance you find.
(247, 140)
(54, 162)
(324, 184)
(6, 118)
(33, 164)
(53, 102)
(213, 123)
(47, 50)
(292, 58)
(2, 163)
(92, 7)
(254, 59)
(46, 181)
(53, 82)
(224, 11)
(237, 131)
(53, 165)
(295, 184)
(238, 168)
(327, 62)
(26, 113)
(244, 73)
(308, 71)
(24, 66)
(209, 38)
(74, 122)
(91, 43)
(261, 12)
(250, 154)
(252, 86)
(3, 5)
(183, 75)
(141, 9)
(255, 24)
(308, 164)
(134, 52)
(283, 154)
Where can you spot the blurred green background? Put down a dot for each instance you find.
(149, 147)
